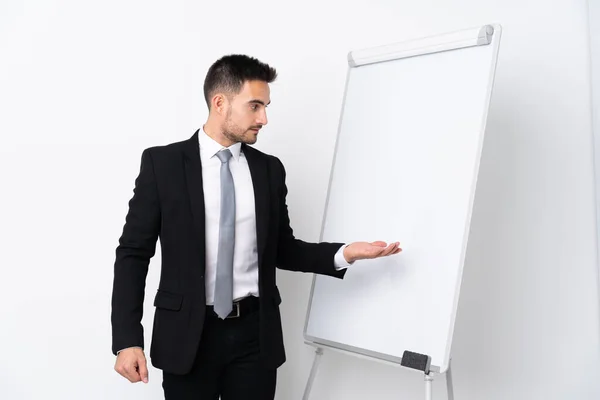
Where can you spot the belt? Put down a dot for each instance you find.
(241, 307)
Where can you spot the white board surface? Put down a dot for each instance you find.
(405, 169)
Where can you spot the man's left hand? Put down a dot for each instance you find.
(365, 250)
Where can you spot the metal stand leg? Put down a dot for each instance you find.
(449, 383)
(313, 373)
(428, 387)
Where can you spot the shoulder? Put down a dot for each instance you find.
(272, 161)
(165, 152)
(167, 148)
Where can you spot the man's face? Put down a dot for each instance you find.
(246, 113)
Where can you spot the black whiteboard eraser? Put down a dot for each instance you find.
(417, 361)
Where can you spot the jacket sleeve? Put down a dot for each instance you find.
(137, 246)
(296, 255)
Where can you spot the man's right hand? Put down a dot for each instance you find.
(131, 363)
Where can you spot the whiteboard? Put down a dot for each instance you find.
(405, 169)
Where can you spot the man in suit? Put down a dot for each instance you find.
(218, 206)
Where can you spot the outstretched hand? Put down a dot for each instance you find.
(365, 250)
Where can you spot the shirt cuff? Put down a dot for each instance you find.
(339, 261)
(132, 347)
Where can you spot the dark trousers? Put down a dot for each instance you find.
(227, 364)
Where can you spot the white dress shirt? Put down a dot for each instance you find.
(245, 257)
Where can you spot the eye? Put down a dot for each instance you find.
(254, 107)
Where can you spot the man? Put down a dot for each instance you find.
(218, 206)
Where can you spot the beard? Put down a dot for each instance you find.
(236, 133)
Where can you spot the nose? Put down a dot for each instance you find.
(262, 118)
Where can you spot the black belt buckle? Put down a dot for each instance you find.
(235, 313)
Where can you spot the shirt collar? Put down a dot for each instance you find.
(209, 147)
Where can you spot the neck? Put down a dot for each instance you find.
(214, 131)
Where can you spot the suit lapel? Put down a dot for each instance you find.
(193, 177)
(260, 181)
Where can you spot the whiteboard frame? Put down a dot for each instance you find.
(443, 44)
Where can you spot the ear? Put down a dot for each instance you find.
(219, 104)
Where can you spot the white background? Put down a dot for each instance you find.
(85, 87)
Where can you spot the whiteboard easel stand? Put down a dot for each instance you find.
(449, 386)
(313, 373)
(428, 375)
(480, 36)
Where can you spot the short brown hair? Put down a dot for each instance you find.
(229, 73)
